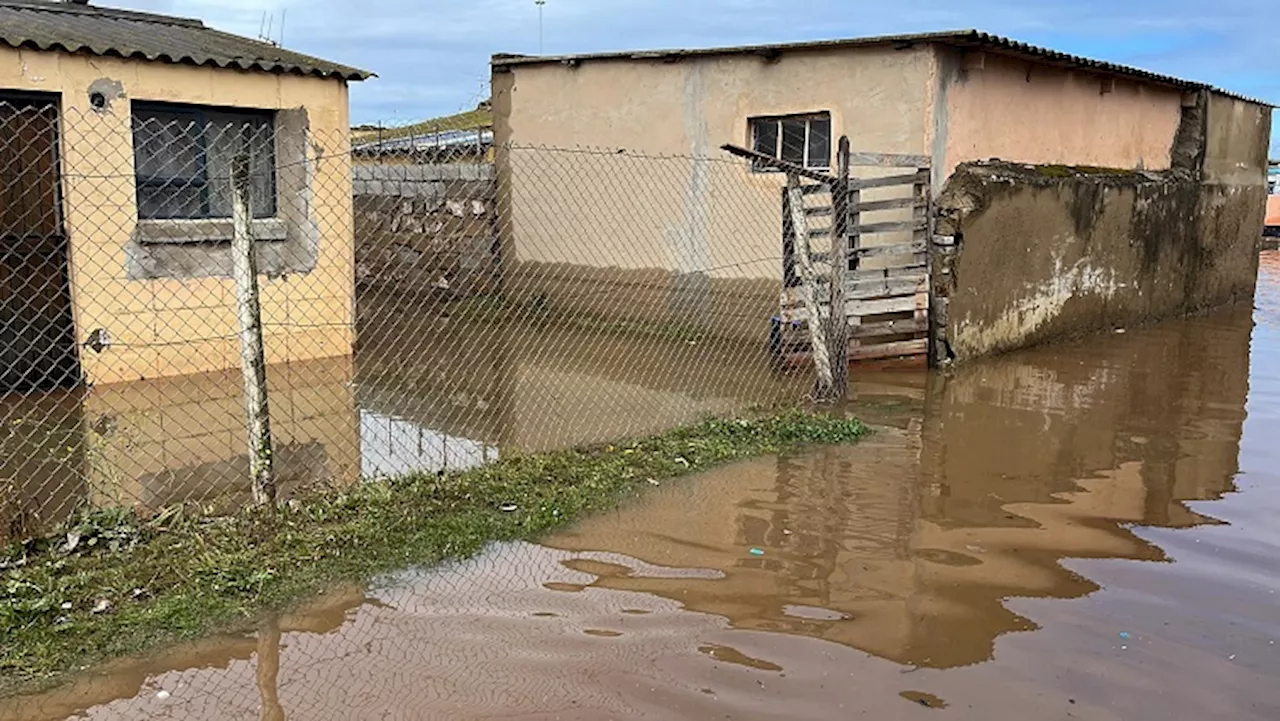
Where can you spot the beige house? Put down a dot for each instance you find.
(117, 131)
(944, 98)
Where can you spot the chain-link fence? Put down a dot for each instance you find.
(421, 310)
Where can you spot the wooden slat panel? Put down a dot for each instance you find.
(890, 160)
(814, 189)
(915, 266)
(895, 226)
(917, 226)
(874, 251)
(890, 180)
(871, 206)
(821, 212)
(864, 289)
(880, 287)
(877, 306)
(887, 328)
(899, 271)
(881, 329)
(890, 350)
(916, 303)
(909, 265)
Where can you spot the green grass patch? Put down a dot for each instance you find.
(111, 584)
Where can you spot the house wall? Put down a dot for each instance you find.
(183, 324)
(1018, 111)
(677, 227)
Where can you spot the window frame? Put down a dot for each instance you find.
(200, 117)
(753, 123)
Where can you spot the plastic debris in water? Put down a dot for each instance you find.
(162, 694)
(1124, 634)
(757, 552)
(508, 507)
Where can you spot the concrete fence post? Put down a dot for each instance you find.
(252, 354)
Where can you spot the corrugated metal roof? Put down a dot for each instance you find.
(76, 28)
(955, 38)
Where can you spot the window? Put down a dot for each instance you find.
(182, 159)
(800, 139)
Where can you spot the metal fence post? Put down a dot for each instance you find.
(244, 268)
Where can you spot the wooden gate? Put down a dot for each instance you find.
(867, 296)
(886, 274)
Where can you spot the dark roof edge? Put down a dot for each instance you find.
(505, 59)
(956, 38)
(346, 72)
(284, 61)
(334, 71)
(95, 10)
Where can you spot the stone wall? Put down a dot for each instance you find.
(426, 228)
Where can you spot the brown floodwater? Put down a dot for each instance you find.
(1078, 532)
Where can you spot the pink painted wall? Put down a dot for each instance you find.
(1030, 113)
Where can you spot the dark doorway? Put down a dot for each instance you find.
(37, 328)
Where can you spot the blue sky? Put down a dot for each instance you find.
(432, 55)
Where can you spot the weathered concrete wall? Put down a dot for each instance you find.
(1049, 252)
(426, 228)
(1237, 136)
(993, 106)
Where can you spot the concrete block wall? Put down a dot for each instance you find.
(426, 228)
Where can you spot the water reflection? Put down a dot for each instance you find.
(173, 440)
(424, 394)
(1076, 472)
(392, 446)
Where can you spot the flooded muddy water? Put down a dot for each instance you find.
(1078, 532)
